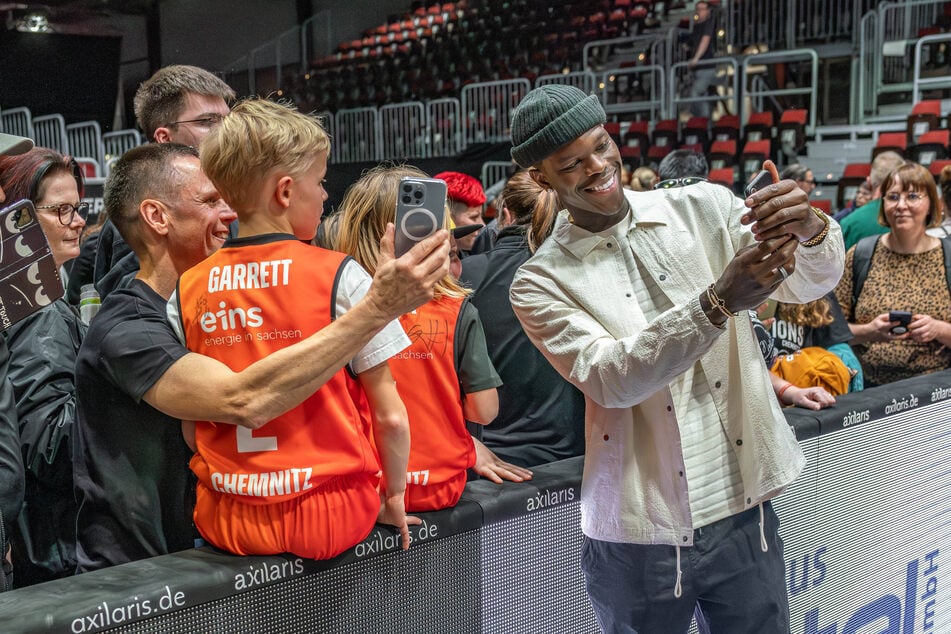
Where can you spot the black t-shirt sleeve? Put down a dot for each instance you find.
(475, 368)
(135, 354)
(836, 332)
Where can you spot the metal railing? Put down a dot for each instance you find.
(639, 90)
(679, 79)
(50, 131)
(584, 80)
(357, 135)
(18, 121)
(924, 55)
(807, 88)
(487, 108)
(403, 128)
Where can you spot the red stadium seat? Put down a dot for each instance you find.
(822, 203)
(890, 141)
(852, 177)
(727, 127)
(925, 116)
(931, 146)
(696, 131)
(791, 132)
(722, 154)
(937, 166)
(665, 133)
(636, 134)
(753, 155)
(723, 176)
(759, 126)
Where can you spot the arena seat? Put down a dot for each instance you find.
(931, 146)
(852, 177)
(822, 203)
(636, 134)
(722, 154)
(753, 155)
(723, 176)
(665, 133)
(696, 132)
(791, 132)
(924, 117)
(758, 126)
(726, 127)
(890, 141)
(937, 166)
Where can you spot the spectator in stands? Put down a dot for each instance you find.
(629, 300)
(862, 196)
(11, 462)
(312, 490)
(901, 270)
(681, 167)
(864, 220)
(541, 416)
(43, 351)
(819, 323)
(466, 198)
(944, 187)
(802, 175)
(178, 104)
(136, 381)
(701, 41)
(642, 179)
(445, 378)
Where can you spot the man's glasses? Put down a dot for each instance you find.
(65, 211)
(208, 121)
(670, 183)
(911, 197)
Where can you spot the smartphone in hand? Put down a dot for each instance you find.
(420, 210)
(901, 316)
(762, 179)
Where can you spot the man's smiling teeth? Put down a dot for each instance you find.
(608, 185)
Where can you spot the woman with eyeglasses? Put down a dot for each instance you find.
(903, 270)
(43, 350)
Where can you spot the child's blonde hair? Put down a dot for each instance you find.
(256, 138)
(367, 206)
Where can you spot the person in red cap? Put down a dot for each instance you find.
(466, 198)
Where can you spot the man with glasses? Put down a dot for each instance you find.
(178, 104)
(681, 168)
(802, 175)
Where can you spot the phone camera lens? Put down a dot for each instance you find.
(407, 200)
(407, 188)
(417, 195)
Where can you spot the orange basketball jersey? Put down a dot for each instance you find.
(441, 448)
(239, 305)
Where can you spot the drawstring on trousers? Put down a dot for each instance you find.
(678, 589)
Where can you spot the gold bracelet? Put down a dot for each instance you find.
(719, 303)
(819, 237)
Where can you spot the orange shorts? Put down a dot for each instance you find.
(432, 497)
(317, 525)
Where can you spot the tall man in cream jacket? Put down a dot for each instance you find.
(640, 300)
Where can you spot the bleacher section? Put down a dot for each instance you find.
(444, 78)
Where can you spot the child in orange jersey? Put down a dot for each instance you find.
(445, 377)
(307, 481)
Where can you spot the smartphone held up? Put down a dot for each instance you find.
(420, 211)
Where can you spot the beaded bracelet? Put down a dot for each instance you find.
(819, 237)
(719, 303)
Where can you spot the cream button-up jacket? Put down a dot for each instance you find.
(576, 302)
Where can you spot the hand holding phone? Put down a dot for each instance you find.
(903, 317)
(420, 211)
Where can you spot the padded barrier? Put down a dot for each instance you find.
(867, 532)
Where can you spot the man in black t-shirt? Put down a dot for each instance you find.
(136, 382)
(701, 49)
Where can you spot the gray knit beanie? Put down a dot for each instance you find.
(550, 117)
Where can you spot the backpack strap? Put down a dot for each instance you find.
(946, 247)
(861, 261)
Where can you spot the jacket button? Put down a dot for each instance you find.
(606, 437)
(685, 538)
(717, 384)
(681, 474)
(739, 441)
(663, 277)
(669, 408)
(609, 245)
